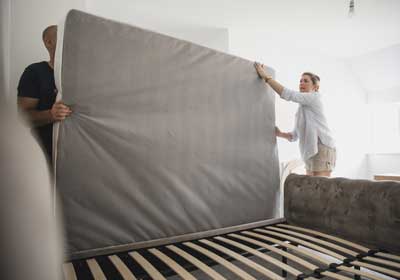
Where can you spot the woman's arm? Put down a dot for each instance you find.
(277, 87)
(285, 93)
(286, 135)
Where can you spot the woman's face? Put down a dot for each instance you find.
(306, 84)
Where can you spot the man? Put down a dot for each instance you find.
(37, 94)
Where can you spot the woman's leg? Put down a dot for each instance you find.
(323, 162)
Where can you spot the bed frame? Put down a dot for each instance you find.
(274, 249)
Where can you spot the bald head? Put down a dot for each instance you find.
(49, 31)
(49, 37)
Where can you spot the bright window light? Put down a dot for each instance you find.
(385, 128)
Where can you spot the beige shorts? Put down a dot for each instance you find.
(324, 160)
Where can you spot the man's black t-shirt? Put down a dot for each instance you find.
(37, 81)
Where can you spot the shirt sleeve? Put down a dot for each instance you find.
(28, 85)
(294, 96)
(295, 136)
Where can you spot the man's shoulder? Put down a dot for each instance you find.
(37, 66)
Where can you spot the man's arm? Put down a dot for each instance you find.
(28, 105)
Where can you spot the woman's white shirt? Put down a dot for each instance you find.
(310, 122)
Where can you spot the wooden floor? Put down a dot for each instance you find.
(278, 251)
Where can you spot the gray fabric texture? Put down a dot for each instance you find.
(166, 137)
(363, 211)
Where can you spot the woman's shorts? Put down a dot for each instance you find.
(324, 160)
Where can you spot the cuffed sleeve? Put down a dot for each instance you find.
(295, 136)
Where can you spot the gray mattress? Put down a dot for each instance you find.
(166, 138)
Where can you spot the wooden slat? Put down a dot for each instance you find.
(385, 262)
(242, 259)
(359, 247)
(316, 240)
(69, 271)
(335, 276)
(387, 177)
(172, 264)
(122, 268)
(95, 269)
(378, 268)
(304, 243)
(241, 273)
(318, 248)
(343, 241)
(285, 254)
(328, 252)
(199, 264)
(289, 246)
(360, 272)
(388, 256)
(306, 253)
(263, 256)
(148, 267)
(327, 236)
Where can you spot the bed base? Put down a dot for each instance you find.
(276, 251)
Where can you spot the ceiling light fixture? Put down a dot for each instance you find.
(351, 8)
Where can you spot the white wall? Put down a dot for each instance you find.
(135, 12)
(344, 98)
(383, 163)
(5, 17)
(386, 95)
(378, 73)
(28, 20)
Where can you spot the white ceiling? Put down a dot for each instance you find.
(315, 24)
(378, 72)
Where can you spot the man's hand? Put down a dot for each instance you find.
(29, 105)
(59, 111)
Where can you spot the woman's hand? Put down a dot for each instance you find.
(261, 71)
(277, 87)
(287, 135)
(278, 132)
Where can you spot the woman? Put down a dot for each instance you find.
(316, 144)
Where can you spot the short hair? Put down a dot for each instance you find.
(47, 30)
